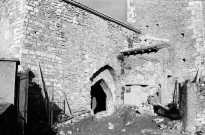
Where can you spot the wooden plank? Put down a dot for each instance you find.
(52, 102)
(67, 103)
(22, 100)
(198, 74)
(144, 49)
(44, 91)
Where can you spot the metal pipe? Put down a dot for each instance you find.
(79, 5)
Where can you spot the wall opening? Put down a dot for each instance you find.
(99, 96)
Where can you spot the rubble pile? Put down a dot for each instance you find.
(172, 125)
(69, 120)
(148, 108)
(145, 109)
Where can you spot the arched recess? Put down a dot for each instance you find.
(107, 76)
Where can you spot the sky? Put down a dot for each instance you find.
(113, 8)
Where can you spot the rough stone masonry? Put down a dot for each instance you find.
(77, 48)
(182, 22)
(71, 44)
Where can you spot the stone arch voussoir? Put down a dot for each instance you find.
(108, 78)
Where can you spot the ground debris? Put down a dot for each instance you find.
(70, 132)
(129, 122)
(145, 109)
(172, 125)
(150, 131)
(61, 133)
(110, 126)
(123, 121)
(200, 133)
(158, 120)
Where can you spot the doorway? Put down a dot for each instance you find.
(98, 97)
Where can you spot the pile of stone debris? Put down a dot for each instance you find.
(65, 120)
(153, 107)
(172, 125)
(177, 128)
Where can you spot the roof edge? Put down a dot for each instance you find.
(10, 60)
(106, 17)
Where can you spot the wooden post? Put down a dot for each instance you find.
(180, 99)
(176, 93)
(64, 106)
(67, 104)
(44, 91)
(52, 102)
(164, 90)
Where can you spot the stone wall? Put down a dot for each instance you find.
(11, 28)
(192, 107)
(182, 23)
(149, 69)
(71, 44)
(200, 107)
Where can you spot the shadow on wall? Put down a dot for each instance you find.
(38, 114)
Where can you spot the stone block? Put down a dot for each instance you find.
(193, 12)
(199, 39)
(24, 51)
(201, 97)
(29, 7)
(198, 123)
(191, 3)
(200, 119)
(189, 8)
(203, 115)
(191, 27)
(203, 122)
(198, 115)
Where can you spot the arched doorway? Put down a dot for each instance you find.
(100, 94)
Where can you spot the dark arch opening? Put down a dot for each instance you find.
(98, 97)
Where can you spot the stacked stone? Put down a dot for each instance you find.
(200, 119)
(200, 115)
(11, 28)
(197, 26)
(192, 108)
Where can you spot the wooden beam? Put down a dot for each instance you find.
(144, 49)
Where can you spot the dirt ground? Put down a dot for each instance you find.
(125, 121)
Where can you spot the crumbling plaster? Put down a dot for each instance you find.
(182, 24)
